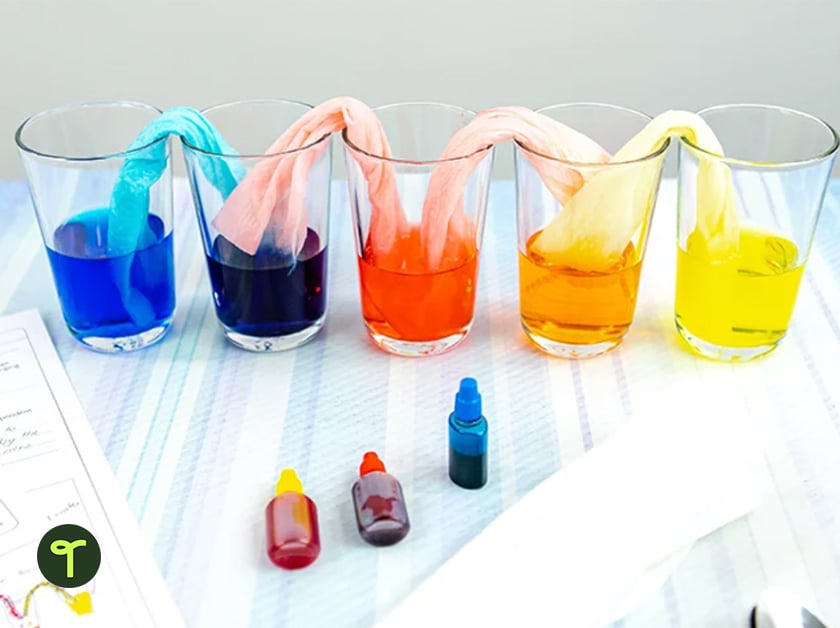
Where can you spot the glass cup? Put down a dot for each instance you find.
(739, 269)
(579, 267)
(417, 271)
(272, 299)
(115, 285)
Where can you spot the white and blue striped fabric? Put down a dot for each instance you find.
(197, 430)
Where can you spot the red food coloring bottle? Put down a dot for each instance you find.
(291, 525)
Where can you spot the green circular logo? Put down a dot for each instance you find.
(69, 556)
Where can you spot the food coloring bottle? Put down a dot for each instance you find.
(468, 438)
(291, 525)
(378, 500)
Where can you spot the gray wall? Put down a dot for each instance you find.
(646, 54)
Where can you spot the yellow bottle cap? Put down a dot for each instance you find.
(288, 483)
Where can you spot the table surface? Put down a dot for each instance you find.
(196, 431)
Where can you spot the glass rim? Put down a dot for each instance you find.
(415, 162)
(133, 104)
(251, 101)
(835, 141)
(600, 164)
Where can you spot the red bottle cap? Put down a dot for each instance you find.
(371, 463)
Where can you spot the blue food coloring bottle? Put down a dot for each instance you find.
(468, 438)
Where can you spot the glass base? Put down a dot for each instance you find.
(568, 350)
(416, 349)
(124, 344)
(269, 344)
(723, 354)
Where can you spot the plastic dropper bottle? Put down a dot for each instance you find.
(468, 438)
(381, 514)
(291, 525)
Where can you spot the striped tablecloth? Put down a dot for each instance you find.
(196, 431)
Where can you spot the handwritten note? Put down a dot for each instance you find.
(24, 427)
(53, 472)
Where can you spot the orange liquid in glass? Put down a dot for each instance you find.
(403, 301)
(577, 307)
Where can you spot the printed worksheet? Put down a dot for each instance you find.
(53, 472)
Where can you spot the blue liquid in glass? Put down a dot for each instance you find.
(112, 297)
(270, 294)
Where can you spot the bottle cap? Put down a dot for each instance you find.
(468, 400)
(371, 463)
(288, 483)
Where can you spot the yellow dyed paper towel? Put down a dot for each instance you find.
(596, 224)
(571, 551)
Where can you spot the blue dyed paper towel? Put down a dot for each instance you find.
(128, 214)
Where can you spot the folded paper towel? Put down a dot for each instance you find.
(597, 528)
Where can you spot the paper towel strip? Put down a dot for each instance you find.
(129, 210)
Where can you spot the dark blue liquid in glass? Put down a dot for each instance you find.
(112, 297)
(271, 293)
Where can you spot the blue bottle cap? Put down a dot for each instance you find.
(468, 400)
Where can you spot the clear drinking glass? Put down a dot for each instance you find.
(738, 272)
(579, 273)
(415, 303)
(117, 293)
(271, 300)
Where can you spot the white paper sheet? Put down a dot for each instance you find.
(586, 545)
(52, 471)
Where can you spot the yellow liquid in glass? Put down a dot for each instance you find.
(746, 301)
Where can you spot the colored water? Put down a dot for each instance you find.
(403, 301)
(577, 307)
(745, 301)
(106, 296)
(271, 293)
